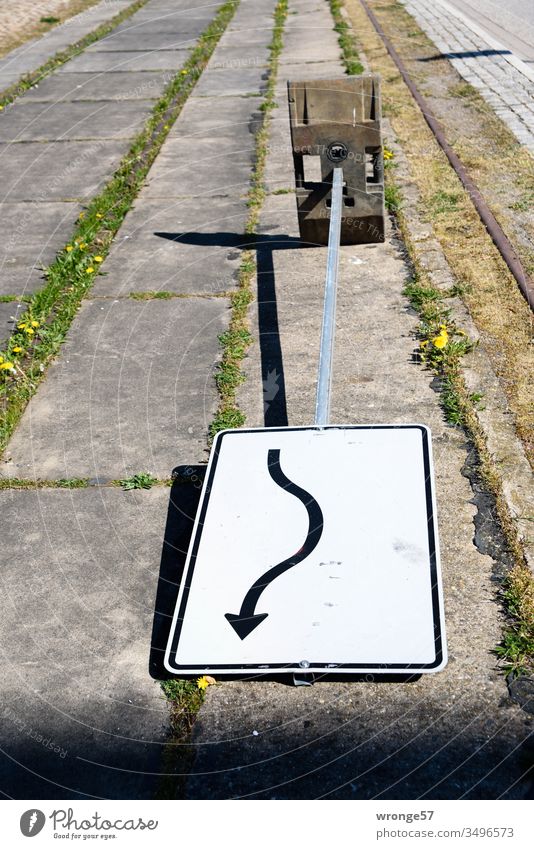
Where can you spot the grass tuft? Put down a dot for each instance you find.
(347, 42)
(142, 480)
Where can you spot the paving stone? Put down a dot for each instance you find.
(242, 56)
(30, 236)
(7, 80)
(31, 55)
(178, 247)
(248, 36)
(216, 117)
(121, 85)
(231, 81)
(180, 173)
(167, 16)
(76, 121)
(490, 74)
(80, 717)
(59, 170)
(8, 317)
(170, 38)
(133, 391)
(109, 62)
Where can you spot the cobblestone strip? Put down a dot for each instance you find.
(504, 88)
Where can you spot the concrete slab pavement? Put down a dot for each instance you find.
(126, 60)
(178, 246)
(133, 391)
(8, 313)
(32, 233)
(74, 121)
(81, 718)
(72, 170)
(123, 85)
(31, 55)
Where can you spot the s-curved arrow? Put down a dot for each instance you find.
(246, 620)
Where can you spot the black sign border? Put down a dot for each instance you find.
(329, 668)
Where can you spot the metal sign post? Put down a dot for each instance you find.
(326, 354)
(322, 556)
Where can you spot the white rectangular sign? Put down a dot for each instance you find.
(313, 549)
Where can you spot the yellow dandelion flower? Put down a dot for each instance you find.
(29, 330)
(441, 340)
(35, 324)
(18, 350)
(21, 326)
(423, 343)
(8, 367)
(99, 215)
(98, 259)
(1, 359)
(388, 154)
(69, 248)
(81, 215)
(82, 245)
(183, 72)
(89, 270)
(203, 683)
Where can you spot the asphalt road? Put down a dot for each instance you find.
(512, 25)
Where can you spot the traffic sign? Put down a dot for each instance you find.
(313, 549)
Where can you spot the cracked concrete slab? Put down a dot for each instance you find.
(176, 246)
(29, 56)
(226, 82)
(122, 85)
(176, 174)
(30, 236)
(122, 60)
(47, 171)
(73, 121)
(81, 718)
(133, 391)
(213, 117)
(8, 317)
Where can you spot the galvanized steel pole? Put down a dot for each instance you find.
(324, 379)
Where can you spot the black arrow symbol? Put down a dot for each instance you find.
(246, 620)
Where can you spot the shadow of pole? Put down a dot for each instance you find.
(272, 365)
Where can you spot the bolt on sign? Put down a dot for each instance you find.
(313, 548)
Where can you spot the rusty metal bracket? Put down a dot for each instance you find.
(338, 121)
